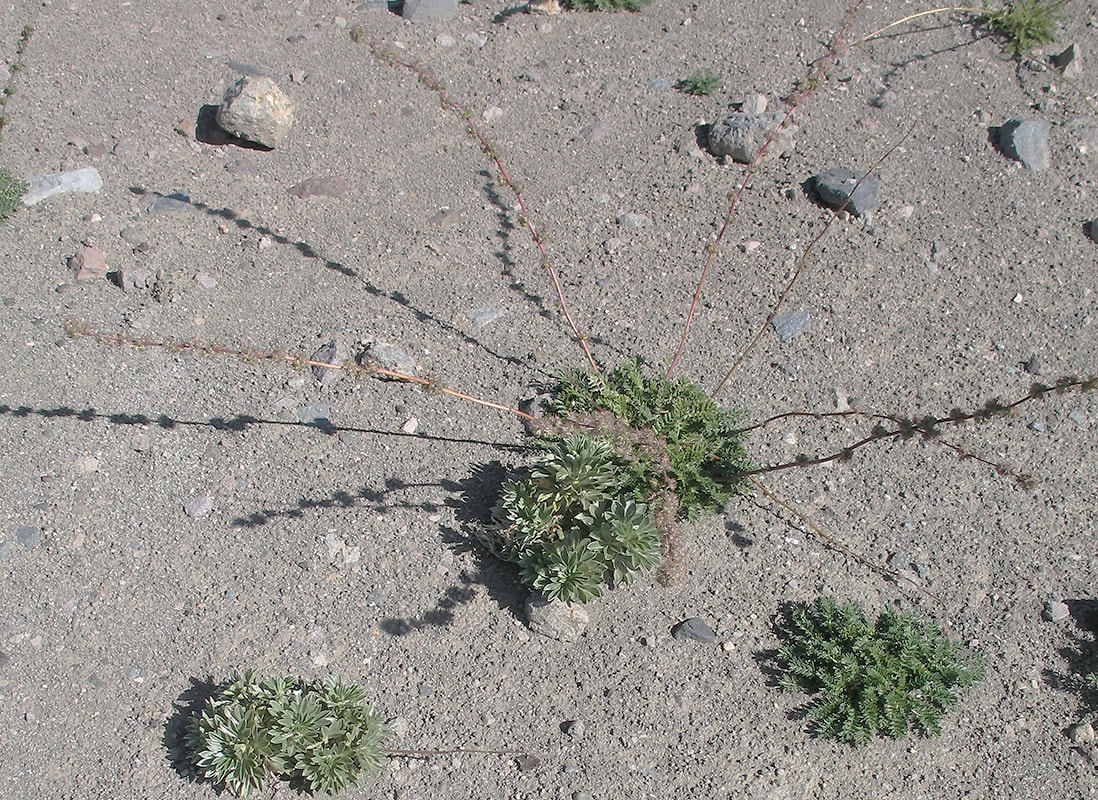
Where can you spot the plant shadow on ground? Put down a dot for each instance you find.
(1080, 657)
(184, 708)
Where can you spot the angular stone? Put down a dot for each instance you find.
(87, 263)
(694, 629)
(839, 185)
(789, 323)
(424, 10)
(254, 108)
(741, 135)
(81, 180)
(556, 619)
(1026, 140)
(335, 353)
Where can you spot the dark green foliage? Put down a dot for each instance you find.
(702, 450)
(702, 83)
(11, 193)
(898, 673)
(321, 734)
(575, 523)
(604, 5)
(1025, 24)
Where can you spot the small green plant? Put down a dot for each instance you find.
(9, 87)
(604, 5)
(11, 192)
(887, 677)
(322, 734)
(702, 83)
(1025, 24)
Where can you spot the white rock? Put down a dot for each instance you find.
(85, 180)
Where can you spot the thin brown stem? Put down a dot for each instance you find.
(808, 86)
(492, 152)
(76, 329)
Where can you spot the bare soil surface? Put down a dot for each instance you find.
(349, 548)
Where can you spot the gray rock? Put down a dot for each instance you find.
(582, 796)
(81, 180)
(839, 185)
(1082, 733)
(1055, 610)
(424, 10)
(694, 629)
(1026, 140)
(789, 323)
(198, 506)
(254, 108)
(482, 316)
(556, 619)
(1092, 230)
(574, 728)
(1078, 417)
(319, 415)
(1037, 426)
(658, 84)
(741, 135)
(390, 356)
(1068, 62)
(334, 352)
(332, 186)
(176, 201)
(634, 220)
(27, 535)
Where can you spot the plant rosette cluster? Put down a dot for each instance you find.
(321, 736)
(625, 457)
(866, 678)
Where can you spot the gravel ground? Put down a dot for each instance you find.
(347, 547)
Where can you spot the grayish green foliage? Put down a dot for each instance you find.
(321, 734)
(871, 678)
(11, 193)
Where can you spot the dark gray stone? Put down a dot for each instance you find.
(177, 201)
(694, 629)
(741, 135)
(840, 185)
(789, 323)
(1092, 230)
(424, 10)
(1026, 140)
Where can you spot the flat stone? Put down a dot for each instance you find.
(556, 619)
(1026, 140)
(27, 535)
(332, 186)
(176, 201)
(334, 352)
(391, 356)
(425, 10)
(839, 185)
(88, 263)
(694, 629)
(482, 316)
(85, 180)
(789, 323)
(255, 109)
(198, 506)
(741, 135)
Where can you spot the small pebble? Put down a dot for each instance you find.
(335, 353)
(1037, 426)
(482, 316)
(27, 535)
(1055, 610)
(1082, 733)
(556, 619)
(695, 629)
(255, 109)
(634, 220)
(319, 415)
(574, 728)
(410, 426)
(839, 185)
(87, 263)
(177, 201)
(1092, 230)
(390, 356)
(198, 506)
(321, 187)
(205, 281)
(1078, 417)
(582, 796)
(789, 323)
(741, 135)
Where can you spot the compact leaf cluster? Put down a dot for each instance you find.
(864, 678)
(625, 456)
(11, 193)
(321, 735)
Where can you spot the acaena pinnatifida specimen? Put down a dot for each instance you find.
(625, 457)
(323, 735)
(864, 678)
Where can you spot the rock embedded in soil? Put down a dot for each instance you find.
(176, 201)
(27, 535)
(840, 185)
(88, 263)
(425, 10)
(1055, 610)
(556, 619)
(741, 135)
(255, 109)
(389, 356)
(198, 506)
(1068, 62)
(789, 323)
(335, 353)
(1026, 140)
(694, 629)
(332, 186)
(1081, 733)
(85, 180)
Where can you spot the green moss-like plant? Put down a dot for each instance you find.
(11, 193)
(702, 83)
(887, 677)
(605, 5)
(322, 735)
